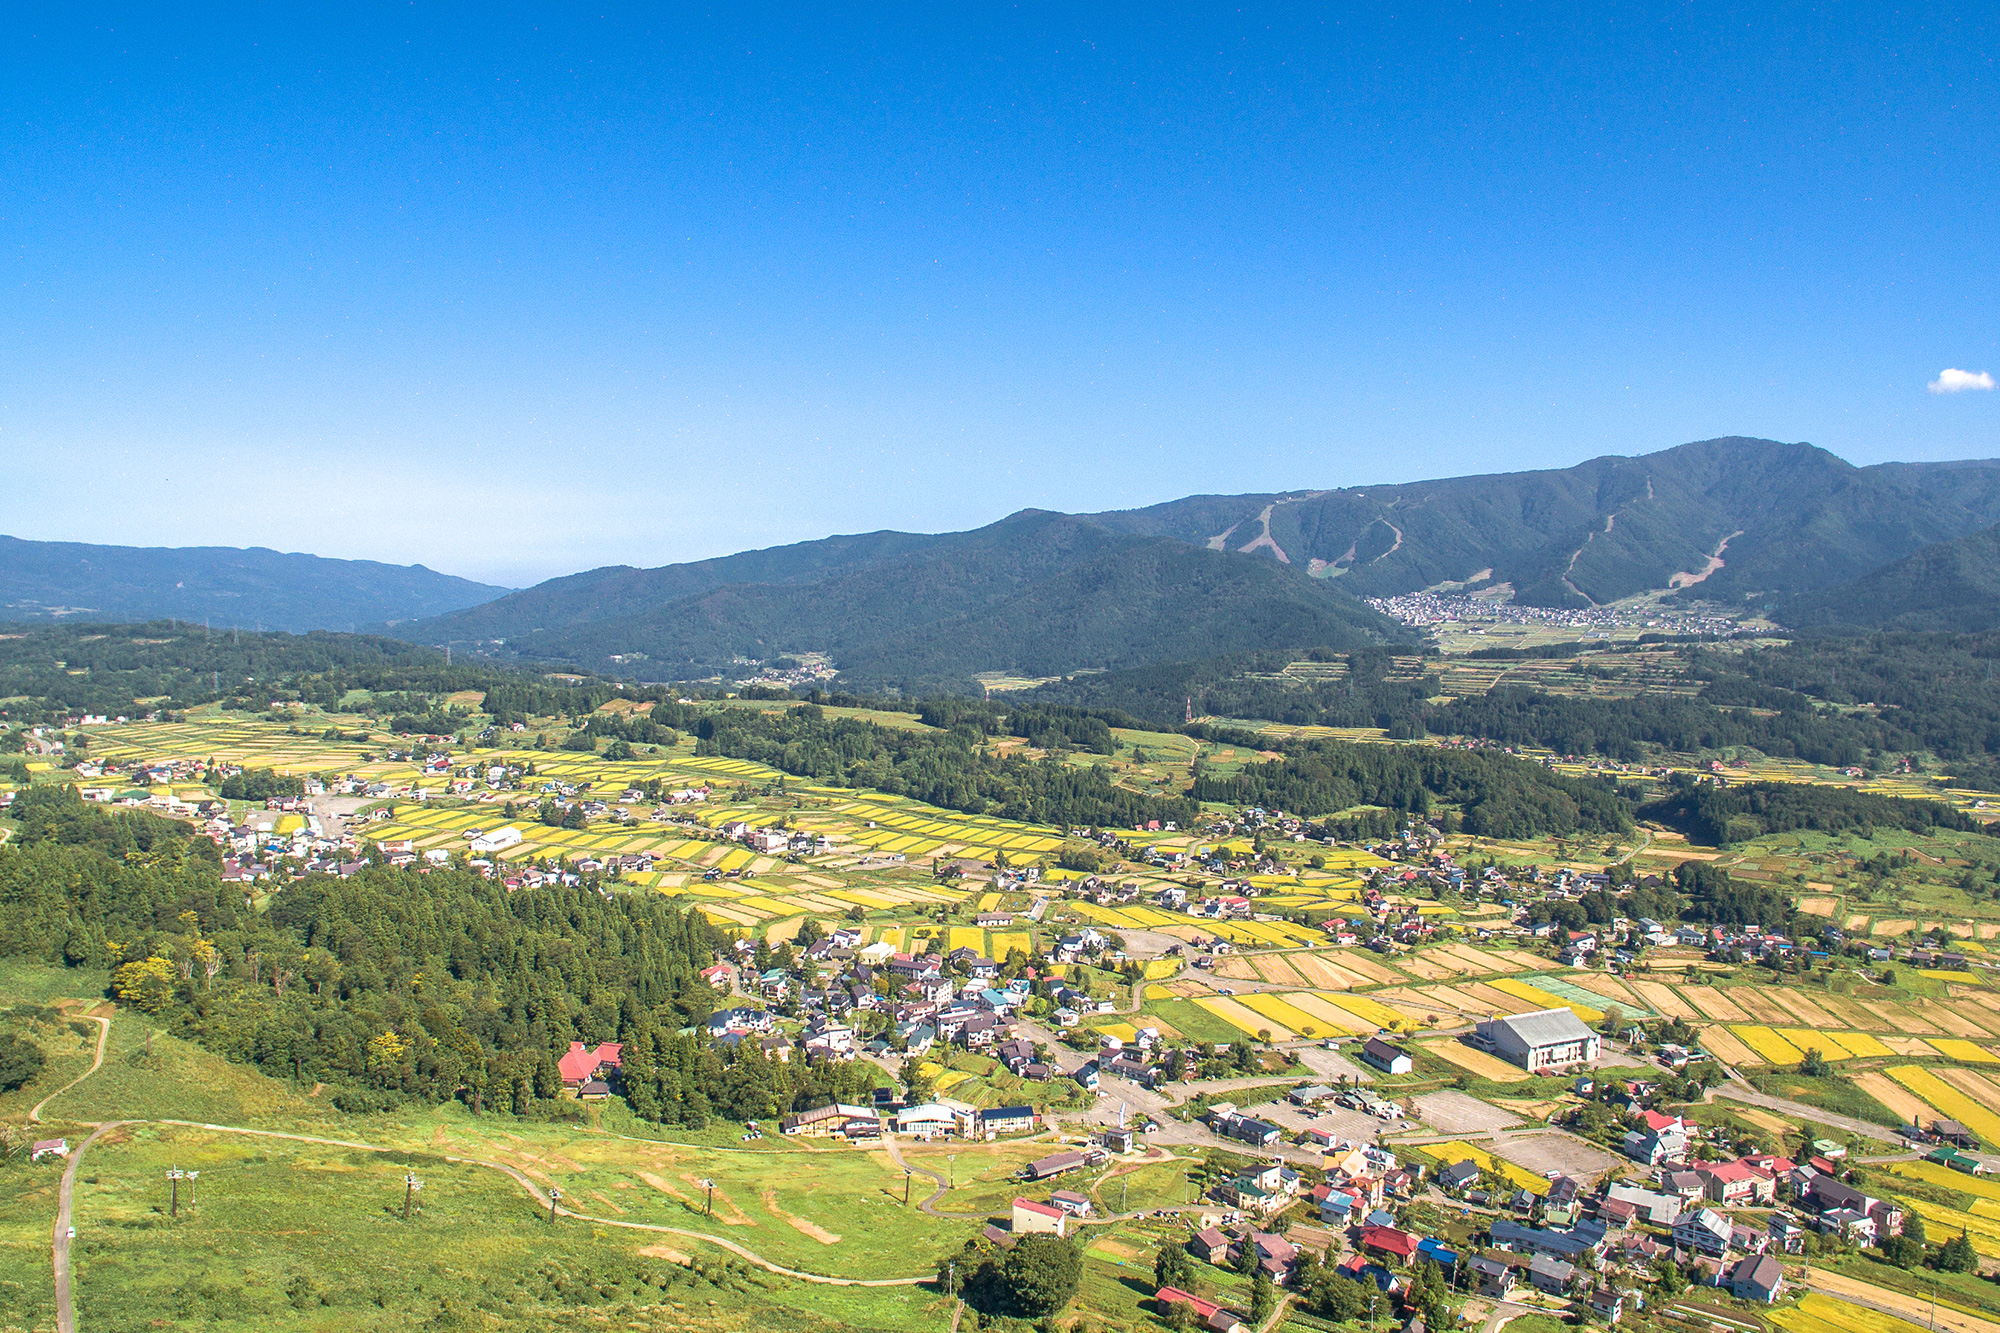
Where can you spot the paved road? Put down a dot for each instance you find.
(59, 1243)
(1742, 1092)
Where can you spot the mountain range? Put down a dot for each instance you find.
(1790, 528)
(1729, 520)
(221, 585)
(1952, 585)
(1036, 593)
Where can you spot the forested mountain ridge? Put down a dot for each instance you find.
(48, 672)
(221, 585)
(1036, 592)
(1732, 520)
(1950, 586)
(1794, 519)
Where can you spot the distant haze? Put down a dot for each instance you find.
(515, 298)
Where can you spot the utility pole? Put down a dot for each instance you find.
(906, 1187)
(410, 1187)
(555, 1196)
(174, 1177)
(708, 1207)
(951, 1171)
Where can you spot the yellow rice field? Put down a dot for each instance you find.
(1948, 1099)
(1768, 1044)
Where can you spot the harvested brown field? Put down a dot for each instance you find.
(1663, 999)
(1719, 1042)
(1895, 1018)
(1850, 1014)
(1972, 1083)
(1761, 1007)
(1422, 967)
(1497, 1001)
(1474, 962)
(1801, 1004)
(1907, 1045)
(1273, 968)
(1895, 1096)
(1953, 1022)
(1369, 968)
(1611, 988)
(1455, 998)
(1339, 976)
(1715, 1003)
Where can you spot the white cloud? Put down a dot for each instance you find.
(1958, 381)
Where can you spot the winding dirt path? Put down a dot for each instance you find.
(928, 1206)
(103, 1036)
(59, 1242)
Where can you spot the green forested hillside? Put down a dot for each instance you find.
(1829, 700)
(1041, 593)
(389, 985)
(1795, 518)
(621, 591)
(248, 589)
(1500, 797)
(1036, 593)
(1952, 586)
(49, 671)
(1714, 814)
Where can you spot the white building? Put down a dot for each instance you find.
(1544, 1039)
(498, 840)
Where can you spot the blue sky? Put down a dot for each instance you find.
(518, 295)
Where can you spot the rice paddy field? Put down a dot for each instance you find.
(883, 848)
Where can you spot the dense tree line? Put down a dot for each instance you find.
(953, 769)
(1711, 813)
(392, 984)
(1499, 796)
(1799, 699)
(259, 784)
(53, 671)
(1717, 898)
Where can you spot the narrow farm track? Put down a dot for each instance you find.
(59, 1244)
(928, 1207)
(103, 1036)
(1914, 1309)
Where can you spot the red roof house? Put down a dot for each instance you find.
(1389, 1241)
(583, 1064)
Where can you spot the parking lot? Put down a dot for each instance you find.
(1547, 1151)
(1453, 1112)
